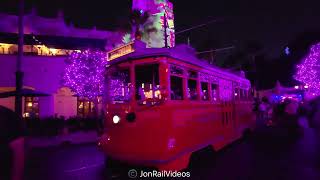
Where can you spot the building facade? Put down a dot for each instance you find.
(161, 13)
(47, 43)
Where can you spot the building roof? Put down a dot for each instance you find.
(56, 32)
(50, 26)
(181, 52)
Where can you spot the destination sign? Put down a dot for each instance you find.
(120, 51)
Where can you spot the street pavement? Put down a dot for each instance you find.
(266, 155)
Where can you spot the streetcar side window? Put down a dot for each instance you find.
(192, 89)
(147, 82)
(247, 95)
(240, 94)
(214, 92)
(243, 94)
(176, 88)
(204, 91)
(251, 93)
(236, 93)
(118, 85)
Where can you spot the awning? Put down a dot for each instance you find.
(24, 92)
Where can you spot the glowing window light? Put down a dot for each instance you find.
(53, 51)
(148, 94)
(157, 93)
(296, 87)
(81, 105)
(29, 104)
(26, 115)
(41, 49)
(5, 48)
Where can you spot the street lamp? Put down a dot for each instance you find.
(19, 73)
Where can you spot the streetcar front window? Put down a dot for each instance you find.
(147, 83)
(119, 86)
(176, 88)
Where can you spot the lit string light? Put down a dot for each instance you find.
(308, 71)
(84, 73)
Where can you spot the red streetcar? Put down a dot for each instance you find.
(165, 104)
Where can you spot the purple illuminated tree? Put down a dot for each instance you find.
(84, 73)
(308, 71)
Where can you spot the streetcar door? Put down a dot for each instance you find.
(227, 119)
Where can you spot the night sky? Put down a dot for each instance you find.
(273, 23)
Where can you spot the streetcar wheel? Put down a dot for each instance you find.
(246, 133)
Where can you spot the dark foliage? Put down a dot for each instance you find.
(53, 126)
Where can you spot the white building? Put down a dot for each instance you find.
(48, 41)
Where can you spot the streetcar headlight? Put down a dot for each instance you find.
(116, 119)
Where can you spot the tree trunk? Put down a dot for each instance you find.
(98, 116)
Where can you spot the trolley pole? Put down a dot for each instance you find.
(19, 73)
(196, 27)
(212, 51)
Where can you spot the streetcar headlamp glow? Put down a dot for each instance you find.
(116, 119)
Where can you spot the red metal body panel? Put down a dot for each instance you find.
(165, 135)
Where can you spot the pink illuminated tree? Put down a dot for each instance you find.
(84, 73)
(308, 71)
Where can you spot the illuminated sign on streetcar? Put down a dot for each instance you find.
(120, 51)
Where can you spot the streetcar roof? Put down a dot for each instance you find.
(182, 53)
